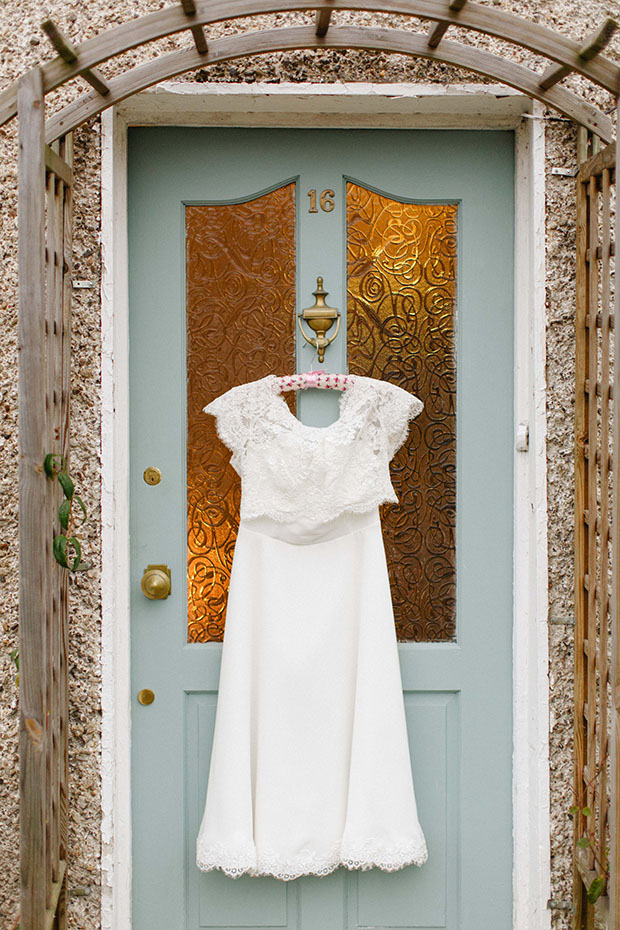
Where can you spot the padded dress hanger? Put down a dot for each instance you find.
(315, 379)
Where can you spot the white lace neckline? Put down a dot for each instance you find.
(286, 466)
(272, 381)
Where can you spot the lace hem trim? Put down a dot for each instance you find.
(247, 861)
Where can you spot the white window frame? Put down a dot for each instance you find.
(460, 106)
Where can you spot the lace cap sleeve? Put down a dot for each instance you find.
(397, 408)
(230, 411)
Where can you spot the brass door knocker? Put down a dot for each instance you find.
(320, 318)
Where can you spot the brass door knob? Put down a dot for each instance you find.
(156, 583)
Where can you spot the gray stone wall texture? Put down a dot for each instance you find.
(23, 45)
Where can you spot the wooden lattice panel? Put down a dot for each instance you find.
(45, 249)
(596, 787)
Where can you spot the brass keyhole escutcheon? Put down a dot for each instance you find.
(146, 696)
(156, 582)
(152, 475)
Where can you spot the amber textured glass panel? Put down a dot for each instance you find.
(401, 260)
(240, 305)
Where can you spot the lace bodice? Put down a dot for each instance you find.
(291, 471)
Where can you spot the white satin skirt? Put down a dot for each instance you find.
(310, 767)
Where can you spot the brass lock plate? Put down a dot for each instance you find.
(152, 475)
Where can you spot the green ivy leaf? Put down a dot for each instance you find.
(63, 513)
(586, 811)
(595, 889)
(62, 543)
(573, 809)
(49, 464)
(60, 550)
(66, 483)
(584, 842)
(81, 503)
(78, 549)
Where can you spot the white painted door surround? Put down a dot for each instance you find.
(339, 105)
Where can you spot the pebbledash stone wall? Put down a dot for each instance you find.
(23, 46)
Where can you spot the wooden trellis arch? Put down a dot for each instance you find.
(45, 245)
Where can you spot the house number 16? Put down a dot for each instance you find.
(326, 201)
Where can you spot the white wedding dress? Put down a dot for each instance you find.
(310, 767)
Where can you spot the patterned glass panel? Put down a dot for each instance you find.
(240, 305)
(401, 260)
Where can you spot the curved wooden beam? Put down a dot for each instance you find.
(592, 46)
(170, 20)
(297, 37)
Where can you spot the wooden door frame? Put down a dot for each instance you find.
(470, 106)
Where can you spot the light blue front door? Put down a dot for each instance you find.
(458, 695)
